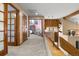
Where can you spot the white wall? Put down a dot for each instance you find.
(68, 25)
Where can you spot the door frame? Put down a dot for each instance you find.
(24, 26)
(17, 26)
(42, 23)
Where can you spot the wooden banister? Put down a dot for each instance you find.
(68, 47)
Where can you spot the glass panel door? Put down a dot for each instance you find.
(3, 44)
(1, 41)
(1, 27)
(11, 24)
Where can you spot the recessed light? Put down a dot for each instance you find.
(36, 13)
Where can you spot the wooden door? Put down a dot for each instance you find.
(24, 28)
(3, 29)
(11, 27)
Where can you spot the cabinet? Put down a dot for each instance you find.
(51, 23)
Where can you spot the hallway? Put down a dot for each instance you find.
(18, 20)
(34, 46)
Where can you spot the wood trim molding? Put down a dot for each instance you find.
(2, 53)
(12, 11)
(17, 25)
(72, 14)
(5, 27)
(28, 26)
(13, 6)
(17, 28)
(5, 51)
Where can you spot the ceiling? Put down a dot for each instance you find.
(54, 10)
(10, 8)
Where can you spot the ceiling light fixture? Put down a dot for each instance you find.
(36, 13)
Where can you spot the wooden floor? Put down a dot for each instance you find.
(54, 50)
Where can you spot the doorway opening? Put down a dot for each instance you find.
(36, 27)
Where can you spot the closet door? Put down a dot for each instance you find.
(3, 29)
